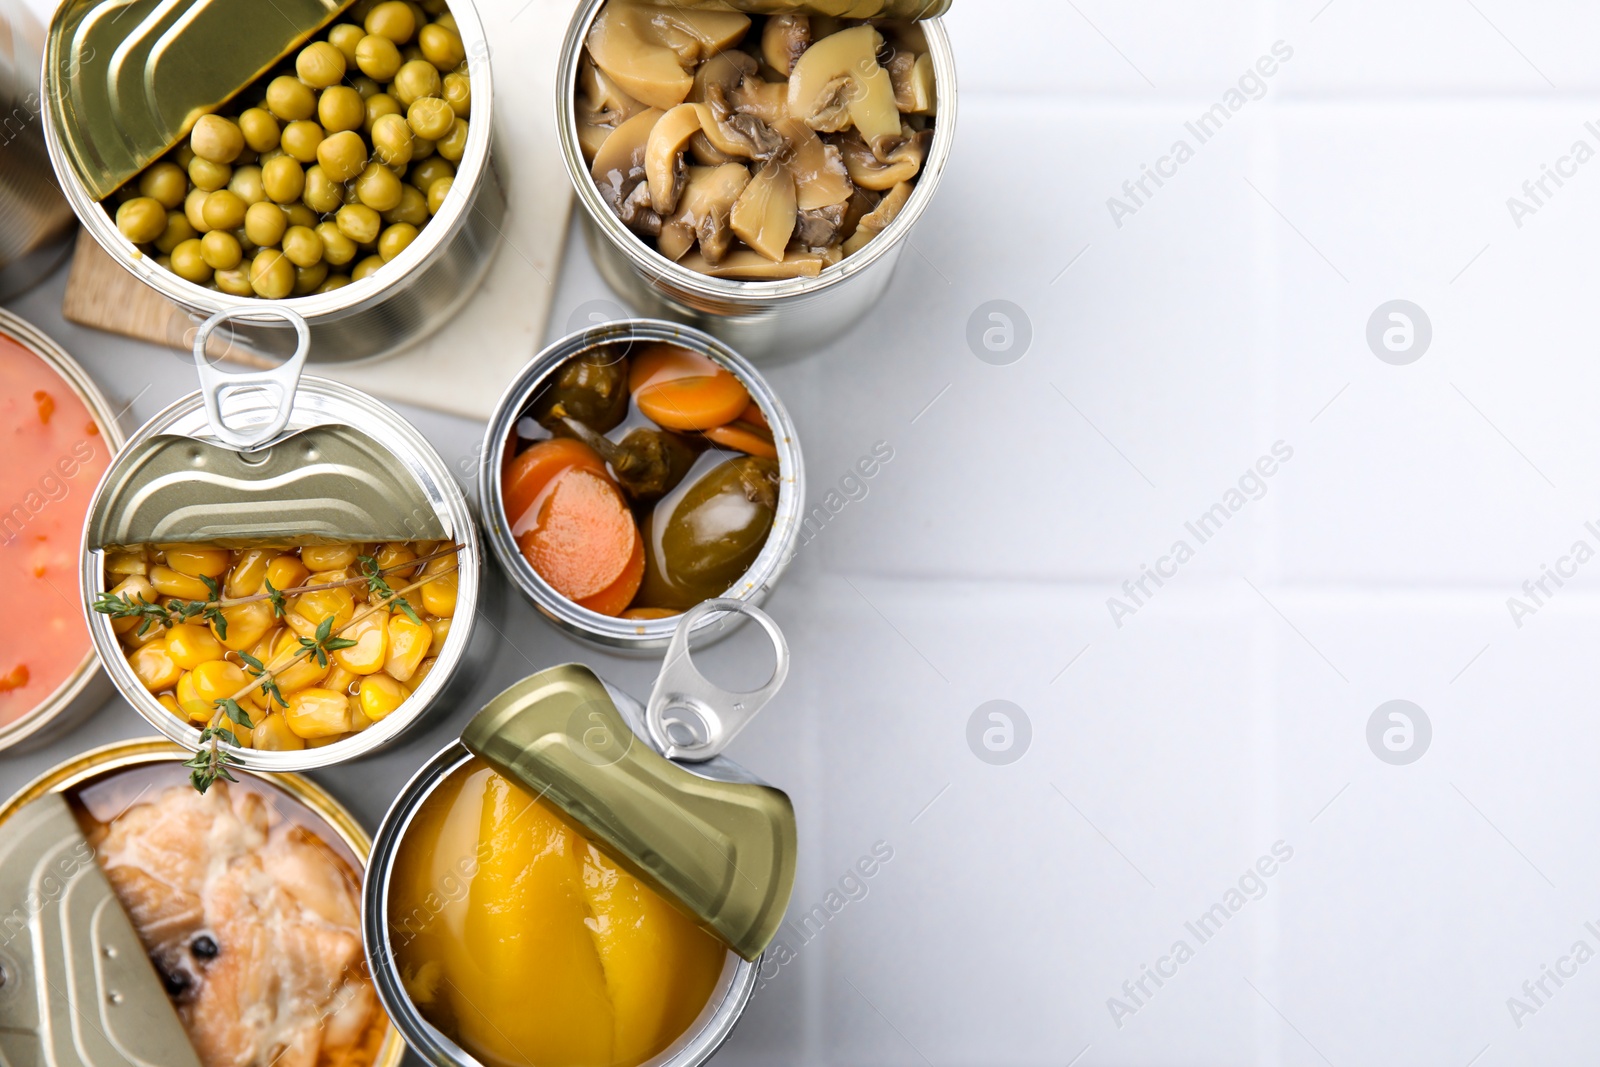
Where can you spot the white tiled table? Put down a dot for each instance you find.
(1229, 712)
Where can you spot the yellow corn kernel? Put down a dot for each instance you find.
(247, 575)
(355, 719)
(395, 554)
(191, 644)
(122, 562)
(317, 713)
(408, 644)
(439, 595)
(134, 587)
(153, 666)
(318, 604)
(380, 695)
(286, 572)
(290, 676)
(328, 557)
(421, 676)
(247, 624)
(441, 634)
(272, 734)
(195, 560)
(134, 639)
(245, 737)
(217, 680)
(371, 646)
(190, 706)
(170, 702)
(341, 680)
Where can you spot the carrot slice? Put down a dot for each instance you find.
(755, 416)
(683, 390)
(584, 537)
(743, 438)
(614, 598)
(525, 478)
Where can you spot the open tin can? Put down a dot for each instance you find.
(121, 74)
(647, 786)
(763, 319)
(638, 635)
(70, 952)
(52, 488)
(276, 460)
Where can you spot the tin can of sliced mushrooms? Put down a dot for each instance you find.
(642, 635)
(74, 948)
(273, 470)
(102, 122)
(787, 316)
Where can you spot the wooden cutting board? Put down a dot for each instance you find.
(463, 368)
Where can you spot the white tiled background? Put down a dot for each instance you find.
(1230, 713)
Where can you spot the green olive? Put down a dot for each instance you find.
(189, 263)
(437, 193)
(194, 209)
(308, 279)
(216, 139)
(396, 239)
(341, 108)
(367, 268)
(320, 65)
(142, 219)
(322, 194)
(224, 210)
(591, 388)
(448, 21)
(424, 174)
(378, 188)
(415, 81)
(247, 185)
(290, 99)
(303, 247)
(266, 223)
(391, 140)
(422, 148)
(430, 118)
(412, 54)
(178, 231)
(300, 215)
(454, 146)
(442, 47)
(235, 282)
(458, 94)
(335, 281)
(245, 244)
(365, 86)
(183, 155)
(337, 249)
(359, 223)
(413, 208)
(342, 156)
(345, 36)
(208, 175)
(378, 57)
(711, 529)
(379, 105)
(283, 179)
(393, 20)
(167, 183)
(300, 140)
(271, 274)
(260, 129)
(221, 250)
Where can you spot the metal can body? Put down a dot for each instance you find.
(35, 221)
(702, 1040)
(770, 320)
(87, 687)
(644, 635)
(410, 298)
(318, 402)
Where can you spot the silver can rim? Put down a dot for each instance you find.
(697, 1045)
(80, 682)
(358, 295)
(664, 271)
(639, 634)
(449, 501)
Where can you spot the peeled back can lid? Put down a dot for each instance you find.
(844, 9)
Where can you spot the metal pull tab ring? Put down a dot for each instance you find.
(705, 715)
(285, 378)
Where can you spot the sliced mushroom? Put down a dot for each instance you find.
(838, 83)
(764, 215)
(707, 154)
(663, 156)
(888, 162)
(820, 178)
(740, 136)
(726, 69)
(912, 76)
(602, 107)
(619, 164)
(703, 212)
(784, 40)
(818, 228)
(767, 101)
(624, 44)
(749, 266)
(879, 218)
(860, 205)
(636, 213)
(695, 34)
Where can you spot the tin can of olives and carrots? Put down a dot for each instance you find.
(582, 878)
(135, 949)
(749, 469)
(282, 568)
(63, 435)
(786, 316)
(129, 85)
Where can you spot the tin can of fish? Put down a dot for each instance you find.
(763, 319)
(273, 459)
(92, 102)
(565, 740)
(56, 969)
(49, 490)
(637, 635)
(36, 225)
